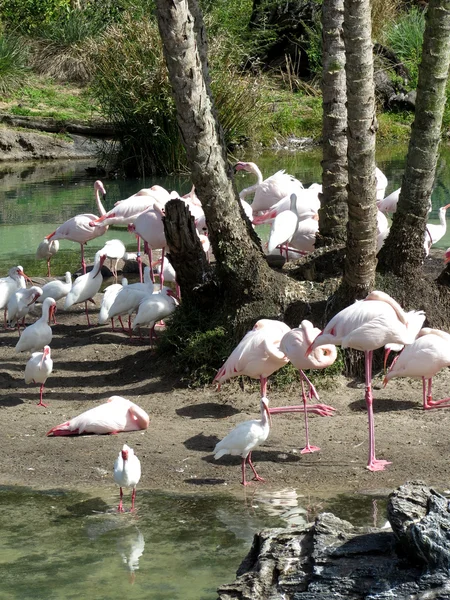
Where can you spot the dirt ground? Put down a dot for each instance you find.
(92, 364)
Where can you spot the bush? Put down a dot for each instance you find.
(13, 64)
(27, 16)
(405, 37)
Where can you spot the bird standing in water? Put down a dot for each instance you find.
(244, 438)
(127, 472)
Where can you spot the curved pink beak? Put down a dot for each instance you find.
(22, 274)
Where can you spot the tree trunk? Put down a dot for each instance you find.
(333, 213)
(403, 251)
(360, 262)
(241, 268)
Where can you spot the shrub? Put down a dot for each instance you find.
(13, 64)
(27, 16)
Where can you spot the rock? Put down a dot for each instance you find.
(334, 559)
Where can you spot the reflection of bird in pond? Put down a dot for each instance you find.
(131, 548)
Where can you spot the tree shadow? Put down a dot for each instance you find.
(205, 481)
(9, 401)
(207, 410)
(381, 405)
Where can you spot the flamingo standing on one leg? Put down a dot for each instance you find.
(367, 325)
(294, 345)
(244, 438)
(426, 356)
(127, 472)
(78, 229)
(86, 286)
(38, 369)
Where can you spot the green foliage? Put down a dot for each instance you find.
(27, 16)
(405, 37)
(13, 64)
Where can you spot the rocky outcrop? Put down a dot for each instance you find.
(334, 559)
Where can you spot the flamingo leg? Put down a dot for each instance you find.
(48, 267)
(41, 393)
(133, 498)
(428, 402)
(319, 409)
(308, 448)
(373, 464)
(148, 251)
(139, 259)
(83, 262)
(256, 476)
(120, 507)
(161, 277)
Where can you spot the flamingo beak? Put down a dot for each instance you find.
(309, 349)
(446, 206)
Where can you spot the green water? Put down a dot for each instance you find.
(61, 545)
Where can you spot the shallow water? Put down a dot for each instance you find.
(36, 198)
(60, 545)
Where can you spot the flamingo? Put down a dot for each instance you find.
(244, 438)
(150, 227)
(293, 344)
(116, 414)
(306, 206)
(114, 250)
(46, 250)
(78, 229)
(381, 183)
(127, 472)
(257, 355)
(267, 191)
(10, 284)
(39, 334)
(20, 303)
(38, 369)
(389, 204)
(153, 308)
(86, 286)
(367, 325)
(426, 356)
(434, 232)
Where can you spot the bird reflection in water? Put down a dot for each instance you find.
(131, 548)
(284, 504)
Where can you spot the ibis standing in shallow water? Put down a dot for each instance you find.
(244, 438)
(127, 472)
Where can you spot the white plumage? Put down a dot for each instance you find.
(86, 286)
(155, 307)
(39, 334)
(244, 438)
(38, 369)
(57, 289)
(127, 472)
(46, 250)
(20, 303)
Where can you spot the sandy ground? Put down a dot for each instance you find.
(91, 364)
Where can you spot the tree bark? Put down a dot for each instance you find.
(240, 264)
(403, 251)
(333, 214)
(360, 263)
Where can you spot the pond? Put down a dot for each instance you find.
(57, 545)
(36, 198)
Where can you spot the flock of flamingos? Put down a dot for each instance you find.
(292, 211)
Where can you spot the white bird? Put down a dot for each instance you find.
(39, 334)
(382, 229)
(127, 472)
(389, 204)
(78, 228)
(109, 296)
(125, 211)
(46, 250)
(381, 183)
(434, 232)
(38, 369)
(153, 308)
(267, 191)
(129, 297)
(56, 289)
(10, 284)
(86, 286)
(114, 250)
(20, 303)
(244, 438)
(116, 414)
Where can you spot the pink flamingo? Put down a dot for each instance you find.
(367, 325)
(294, 344)
(149, 226)
(426, 356)
(78, 229)
(116, 414)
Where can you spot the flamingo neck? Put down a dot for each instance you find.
(100, 207)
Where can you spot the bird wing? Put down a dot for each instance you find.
(282, 229)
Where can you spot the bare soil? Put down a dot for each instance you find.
(92, 364)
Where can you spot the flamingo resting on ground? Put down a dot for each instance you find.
(39, 334)
(78, 229)
(244, 438)
(426, 356)
(38, 369)
(127, 472)
(294, 344)
(117, 414)
(367, 325)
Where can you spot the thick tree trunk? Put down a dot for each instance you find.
(403, 252)
(242, 271)
(333, 213)
(360, 262)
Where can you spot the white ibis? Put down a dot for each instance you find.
(127, 472)
(47, 250)
(38, 369)
(20, 303)
(39, 334)
(86, 286)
